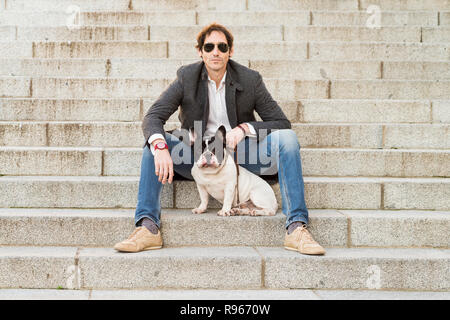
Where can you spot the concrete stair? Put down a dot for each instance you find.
(370, 105)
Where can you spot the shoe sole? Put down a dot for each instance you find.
(145, 249)
(310, 254)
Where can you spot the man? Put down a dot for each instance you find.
(219, 91)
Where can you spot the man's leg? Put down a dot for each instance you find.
(148, 209)
(149, 194)
(279, 152)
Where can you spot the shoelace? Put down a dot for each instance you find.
(306, 233)
(133, 235)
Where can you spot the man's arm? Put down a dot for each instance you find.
(162, 109)
(269, 111)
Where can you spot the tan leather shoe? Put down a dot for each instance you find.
(141, 239)
(302, 241)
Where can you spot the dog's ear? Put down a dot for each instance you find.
(221, 134)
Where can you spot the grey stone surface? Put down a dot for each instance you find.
(405, 4)
(38, 267)
(53, 67)
(324, 135)
(94, 134)
(15, 87)
(23, 134)
(268, 5)
(441, 111)
(45, 5)
(399, 269)
(16, 49)
(254, 18)
(180, 228)
(176, 17)
(357, 34)
(73, 88)
(399, 228)
(338, 51)
(94, 33)
(393, 163)
(70, 192)
(381, 295)
(388, 18)
(99, 49)
(181, 268)
(426, 136)
(389, 89)
(204, 294)
(243, 33)
(7, 33)
(363, 110)
(311, 70)
(69, 110)
(416, 70)
(324, 193)
(43, 294)
(50, 161)
(433, 194)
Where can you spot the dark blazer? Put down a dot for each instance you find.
(245, 92)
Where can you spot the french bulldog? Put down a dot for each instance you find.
(215, 173)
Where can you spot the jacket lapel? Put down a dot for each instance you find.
(204, 98)
(230, 96)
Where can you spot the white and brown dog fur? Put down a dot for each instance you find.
(217, 176)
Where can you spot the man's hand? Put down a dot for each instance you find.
(236, 135)
(163, 164)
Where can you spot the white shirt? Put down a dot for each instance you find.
(217, 113)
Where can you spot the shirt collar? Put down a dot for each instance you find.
(221, 81)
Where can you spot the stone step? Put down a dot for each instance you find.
(318, 18)
(97, 49)
(143, 5)
(147, 68)
(181, 228)
(325, 50)
(321, 135)
(213, 294)
(238, 5)
(444, 18)
(126, 5)
(362, 18)
(338, 51)
(241, 33)
(320, 192)
(105, 18)
(72, 161)
(228, 18)
(304, 110)
(387, 89)
(247, 268)
(431, 5)
(281, 89)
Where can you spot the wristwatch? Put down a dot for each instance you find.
(161, 146)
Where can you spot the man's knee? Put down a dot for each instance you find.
(287, 139)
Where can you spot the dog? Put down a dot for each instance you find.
(215, 174)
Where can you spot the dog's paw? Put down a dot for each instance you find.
(198, 210)
(224, 213)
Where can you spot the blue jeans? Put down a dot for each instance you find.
(277, 152)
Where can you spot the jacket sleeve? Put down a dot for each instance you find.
(167, 103)
(269, 111)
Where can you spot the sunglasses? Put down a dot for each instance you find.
(208, 47)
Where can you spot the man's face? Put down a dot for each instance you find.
(215, 60)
